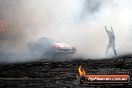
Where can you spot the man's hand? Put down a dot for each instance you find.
(105, 28)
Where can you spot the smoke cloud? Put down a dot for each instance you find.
(77, 22)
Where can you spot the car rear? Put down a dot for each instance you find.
(64, 48)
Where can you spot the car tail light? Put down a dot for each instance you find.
(56, 46)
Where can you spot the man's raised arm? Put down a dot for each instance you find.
(106, 29)
(112, 29)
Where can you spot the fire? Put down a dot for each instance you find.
(81, 71)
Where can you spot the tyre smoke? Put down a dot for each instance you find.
(77, 22)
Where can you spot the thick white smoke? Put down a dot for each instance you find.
(81, 23)
(77, 22)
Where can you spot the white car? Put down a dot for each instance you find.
(48, 48)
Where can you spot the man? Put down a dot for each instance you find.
(111, 43)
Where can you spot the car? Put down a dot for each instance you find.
(51, 49)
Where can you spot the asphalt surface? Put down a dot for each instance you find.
(62, 74)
